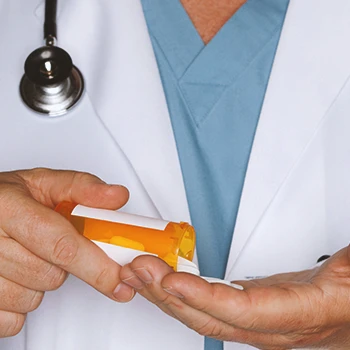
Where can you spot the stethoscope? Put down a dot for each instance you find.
(51, 85)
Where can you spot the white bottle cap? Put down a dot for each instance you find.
(184, 265)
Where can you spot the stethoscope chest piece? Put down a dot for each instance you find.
(51, 84)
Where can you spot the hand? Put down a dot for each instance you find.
(38, 246)
(308, 309)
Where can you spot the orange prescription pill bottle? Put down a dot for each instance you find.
(167, 240)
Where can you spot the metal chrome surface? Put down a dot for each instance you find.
(53, 100)
(51, 84)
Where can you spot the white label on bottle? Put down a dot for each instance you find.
(120, 255)
(119, 217)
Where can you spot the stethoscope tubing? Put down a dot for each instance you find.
(50, 24)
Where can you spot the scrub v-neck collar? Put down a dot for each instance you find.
(204, 71)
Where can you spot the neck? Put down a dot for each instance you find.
(208, 16)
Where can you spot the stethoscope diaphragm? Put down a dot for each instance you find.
(51, 84)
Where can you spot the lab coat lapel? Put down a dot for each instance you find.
(115, 54)
(310, 68)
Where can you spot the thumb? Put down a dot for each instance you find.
(51, 187)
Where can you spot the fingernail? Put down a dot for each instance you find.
(143, 275)
(123, 293)
(173, 292)
(134, 282)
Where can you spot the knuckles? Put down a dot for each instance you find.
(209, 329)
(26, 302)
(20, 300)
(17, 300)
(64, 251)
(13, 325)
(102, 277)
(53, 278)
(33, 302)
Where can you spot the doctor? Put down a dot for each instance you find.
(246, 136)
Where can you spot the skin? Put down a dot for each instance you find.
(208, 16)
(38, 247)
(308, 309)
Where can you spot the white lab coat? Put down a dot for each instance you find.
(296, 199)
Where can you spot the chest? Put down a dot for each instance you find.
(209, 16)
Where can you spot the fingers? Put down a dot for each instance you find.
(265, 309)
(145, 274)
(19, 265)
(50, 187)
(148, 275)
(10, 323)
(48, 235)
(18, 299)
(281, 312)
(143, 270)
(137, 276)
(52, 238)
(124, 293)
(222, 302)
(278, 308)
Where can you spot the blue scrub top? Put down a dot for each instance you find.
(215, 94)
